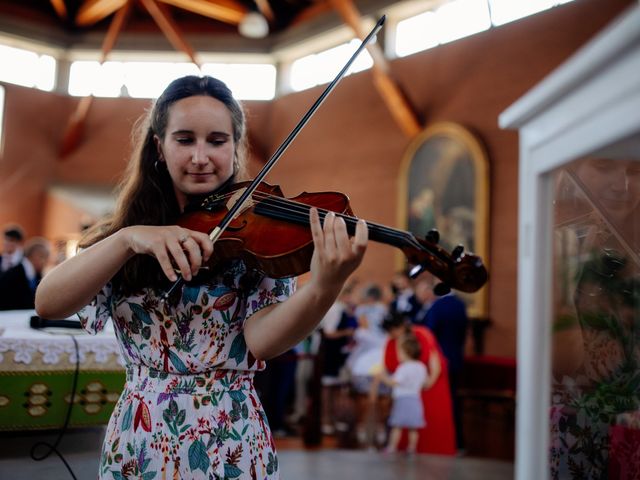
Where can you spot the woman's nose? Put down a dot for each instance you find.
(619, 180)
(199, 155)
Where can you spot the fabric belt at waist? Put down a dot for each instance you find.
(145, 379)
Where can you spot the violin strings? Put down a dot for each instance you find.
(301, 210)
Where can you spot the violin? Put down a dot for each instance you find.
(271, 233)
(255, 222)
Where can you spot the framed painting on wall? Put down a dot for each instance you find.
(444, 184)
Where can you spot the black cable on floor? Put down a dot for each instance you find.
(54, 448)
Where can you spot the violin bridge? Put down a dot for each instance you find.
(248, 203)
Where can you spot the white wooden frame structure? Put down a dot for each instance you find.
(590, 102)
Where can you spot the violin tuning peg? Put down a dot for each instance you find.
(441, 289)
(416, 271)
(457, 252)
(433, 236)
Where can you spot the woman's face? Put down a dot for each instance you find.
(198, 146)
(614, 184)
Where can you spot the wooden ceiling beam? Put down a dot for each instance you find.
(226, 11)
(390, 91)
(397, 103)
(115, 28)
(265, 9)
(311, 12)
(162, 17)
(92, 11)
(75, 128)
(60, 8)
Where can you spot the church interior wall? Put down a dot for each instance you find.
(351, 145)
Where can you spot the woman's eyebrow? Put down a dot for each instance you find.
(191, 132)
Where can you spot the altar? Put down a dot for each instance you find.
(37, 369)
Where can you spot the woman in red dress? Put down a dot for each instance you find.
(438, 436)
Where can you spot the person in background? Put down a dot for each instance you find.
(337, 327)
(404, 298)
(438, 436)
(425, 297)
(18, 284)
(447, 319)
(365, 360)
(13, 238)
(369, 338)
(189, 408)
(306, 351)
(407, 382)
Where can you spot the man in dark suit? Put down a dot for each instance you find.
(447, 319)
(13, 237)
(18, 284)
(404, 298)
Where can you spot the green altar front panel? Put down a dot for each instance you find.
(40, 400)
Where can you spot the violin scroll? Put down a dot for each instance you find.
(458, 269)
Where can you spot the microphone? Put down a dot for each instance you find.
(38, 323)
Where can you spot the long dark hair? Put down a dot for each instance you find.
(145, 193)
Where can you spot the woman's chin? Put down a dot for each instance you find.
(201, 188)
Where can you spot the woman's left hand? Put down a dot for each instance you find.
(335, 255)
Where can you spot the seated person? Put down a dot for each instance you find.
(18, 284)
(11, 247)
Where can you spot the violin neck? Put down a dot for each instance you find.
(300, 215)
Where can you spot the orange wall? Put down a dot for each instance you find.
(351, 145)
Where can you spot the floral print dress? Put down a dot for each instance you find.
(188, 409)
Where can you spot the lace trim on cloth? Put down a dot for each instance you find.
(55, 350)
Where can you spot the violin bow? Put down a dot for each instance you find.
(235, 208)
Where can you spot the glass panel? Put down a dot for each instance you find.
(247, 81)
(149, 79)
(462, 18)
(503, 11)
(46, 73)
(417, 33)
(27, 68)
(450, 22)
(595, 404)
(322, 67)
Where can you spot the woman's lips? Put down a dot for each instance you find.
(200, 174)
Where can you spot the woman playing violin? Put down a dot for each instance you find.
(189, 408)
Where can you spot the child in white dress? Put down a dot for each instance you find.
(406, 383)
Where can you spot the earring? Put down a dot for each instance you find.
(158, 165)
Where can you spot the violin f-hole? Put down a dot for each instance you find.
(234, 228)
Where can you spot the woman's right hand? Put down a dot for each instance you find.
(174, 247)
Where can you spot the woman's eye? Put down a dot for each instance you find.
(218, 141)
(183, 140)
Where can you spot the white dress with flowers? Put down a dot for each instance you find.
(188, 409)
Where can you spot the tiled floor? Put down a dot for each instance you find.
(81, 448)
